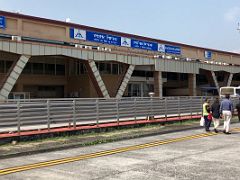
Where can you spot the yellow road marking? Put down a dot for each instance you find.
(102, 153)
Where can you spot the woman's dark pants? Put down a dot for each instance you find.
(207, 123)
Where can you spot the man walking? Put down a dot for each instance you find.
(226, 110)
(215, 109)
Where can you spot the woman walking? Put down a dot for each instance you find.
(206, 111)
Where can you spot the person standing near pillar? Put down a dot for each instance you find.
(206, 111)
(215, 109)
(226, 110)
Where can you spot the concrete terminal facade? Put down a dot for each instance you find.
(42, 58)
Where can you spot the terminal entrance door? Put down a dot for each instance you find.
(135, 90)
(140, 89)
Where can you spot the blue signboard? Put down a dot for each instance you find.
(77, 34)
(208, 54)
(97, 37)
(172, 50)
(2, 22)
(103, 38)
(144, 45)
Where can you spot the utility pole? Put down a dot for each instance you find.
(238, 28)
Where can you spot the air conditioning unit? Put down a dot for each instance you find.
(106, 49)
(16, 38)
(96, 48)
(78, 46)
(88, 47)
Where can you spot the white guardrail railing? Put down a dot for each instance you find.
(20, 115)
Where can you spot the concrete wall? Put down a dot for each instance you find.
(55, 30)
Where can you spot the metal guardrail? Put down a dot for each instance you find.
(19, 115)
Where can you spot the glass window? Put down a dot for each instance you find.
(108, 68)
(121, 67)
(142, 73)
(60, 69)
(2, 67)
(238, 91)
(226, 90)
(201, 79)
(183, 77)
(172, 76)
(147, 88)
(28, 68)
(101, 67)
(77, 68)
(149, 73)
(49, 68)
(220, 78)
(37, 68)
(236, 77)
(83, 69)
(115, 68)
(8, 65)
(105, 68)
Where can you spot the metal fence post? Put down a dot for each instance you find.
(48, 115)
(201, 106)
(117, 104)
(18, 117)
(97, 112)
(179, 113)
(74, 113)
(151, 116)
(191, 106)
(135, 113)
(165, 108)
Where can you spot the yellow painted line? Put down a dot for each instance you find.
(236, 129)
(127, 148)
(104, 153)
(101, 153)
(98, 154)
(82, 157)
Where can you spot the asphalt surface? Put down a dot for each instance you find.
(188, 154)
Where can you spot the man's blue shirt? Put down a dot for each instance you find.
(226, 105)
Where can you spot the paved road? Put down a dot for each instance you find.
(183, 155)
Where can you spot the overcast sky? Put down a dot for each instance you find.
(205, 23)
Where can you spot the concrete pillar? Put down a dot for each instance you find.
(225, 80)
(125, 81)
(230, 79)
(192, 85)
(158, 84)
(208, 74)
(215, 81)
(13, 75)
(96, 79)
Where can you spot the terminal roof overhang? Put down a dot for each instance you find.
(18, 15)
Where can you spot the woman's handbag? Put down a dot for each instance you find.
(209, 117)
(202, 121)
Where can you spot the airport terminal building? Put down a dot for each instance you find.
(43, 58)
